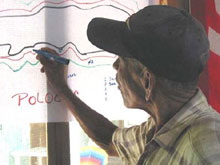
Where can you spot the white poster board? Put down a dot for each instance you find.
(61, 25)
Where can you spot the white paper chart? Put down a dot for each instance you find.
(61, 25)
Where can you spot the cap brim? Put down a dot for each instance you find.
(108, 35)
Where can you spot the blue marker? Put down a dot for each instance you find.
(52, 56)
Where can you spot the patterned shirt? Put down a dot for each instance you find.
(190, 137)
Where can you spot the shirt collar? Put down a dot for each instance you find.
(169, 133)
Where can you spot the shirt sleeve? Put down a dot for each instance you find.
(206, 140)
(130, 142)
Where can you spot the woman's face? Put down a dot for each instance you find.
(129, 83)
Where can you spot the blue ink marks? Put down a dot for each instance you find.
(90, 62)
(71, 75)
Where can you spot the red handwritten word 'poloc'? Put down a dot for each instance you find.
(33, 100)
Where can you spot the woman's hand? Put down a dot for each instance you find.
(56, 72)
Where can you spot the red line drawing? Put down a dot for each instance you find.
(62, 54)
(58, 3)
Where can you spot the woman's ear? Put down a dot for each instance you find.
(147, 82)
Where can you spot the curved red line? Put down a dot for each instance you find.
(57, 3)
(69, 48)
(123, 5)
(9, 57)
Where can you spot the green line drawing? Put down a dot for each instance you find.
(36, 63)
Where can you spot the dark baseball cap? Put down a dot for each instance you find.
(168, 41)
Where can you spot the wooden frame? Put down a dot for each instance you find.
(58, 143)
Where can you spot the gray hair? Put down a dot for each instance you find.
(168, 86)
